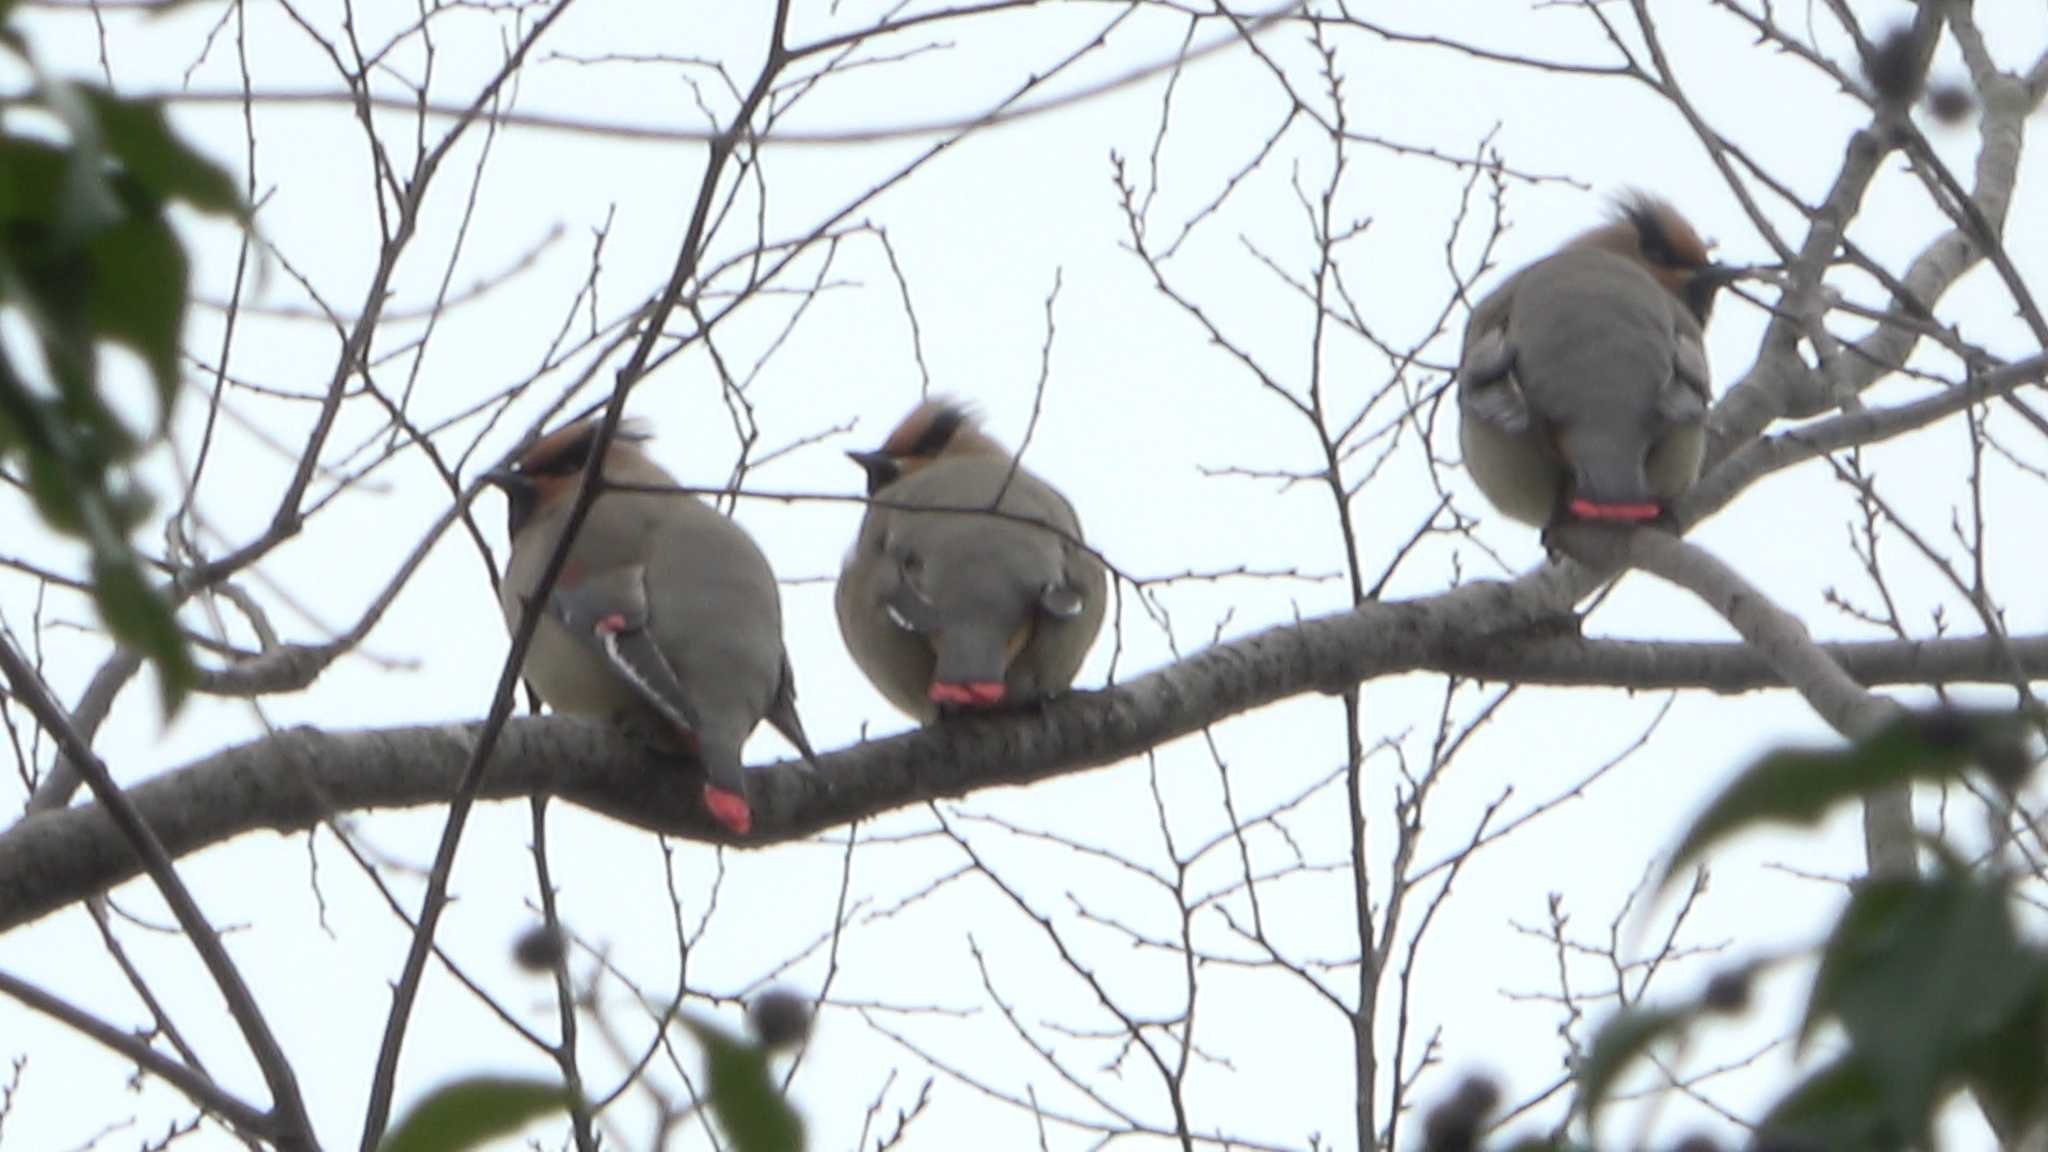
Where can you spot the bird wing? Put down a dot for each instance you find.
(902, 598)
(608, 613)
(1487, 387)
(1685, 399)
(782, 714)
(1081, 573)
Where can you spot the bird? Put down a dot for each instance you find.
(1583, 383)
(664, 607)
(965, 610)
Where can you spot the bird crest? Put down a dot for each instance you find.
(935, 427)
(1648, 230)
(941, 426)
(1663, 237)
(567, 449)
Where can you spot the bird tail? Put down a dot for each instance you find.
(725, 782)
(971, 668)
(1608, 480)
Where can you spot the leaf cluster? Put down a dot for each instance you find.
(740, 1088)
(1928, 979)
(88, 258)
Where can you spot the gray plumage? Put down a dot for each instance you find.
(665, 607)
(1583, 386)
(968, 608)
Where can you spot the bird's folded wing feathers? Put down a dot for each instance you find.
(608, 612)
(908, 607)
(1684, 399)
(1487, 388)
(782, 714)
(1061, 600)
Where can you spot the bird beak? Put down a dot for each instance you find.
(882, 468)
(504, 478)
(521, 496)
(1698, 291)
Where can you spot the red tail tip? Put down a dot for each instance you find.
(974, 694)
(1626, 513)
(729, 809)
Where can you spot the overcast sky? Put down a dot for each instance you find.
(1166, 443)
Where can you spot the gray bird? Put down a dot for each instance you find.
(965, 609)
(1583, 387)
(665, 607)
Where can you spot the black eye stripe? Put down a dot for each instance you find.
(520, 501)
(938, 433)
(1656, 246)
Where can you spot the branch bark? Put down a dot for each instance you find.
(1781, 639)
(1493, 631)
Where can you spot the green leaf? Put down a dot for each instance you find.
(31, 172)
(2008, 1069)
(44, 269)
(54, 490)
(125, 279)
(137, 133)
(87, 255)
(470, 1112)
(78, 493)
(743, 1095)
(141, 619)
(88, 201)
(1620, 1042)
(1837, 1107)
(1922, 973)
(1798, 786)
(139, 280)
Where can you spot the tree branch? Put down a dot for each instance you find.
(196, 1085)
(131, 829)
(1782, 640)
(1487, 630)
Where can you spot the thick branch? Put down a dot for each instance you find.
(289, 782)
(1781, 639)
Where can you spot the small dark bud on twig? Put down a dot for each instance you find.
(1892, 69)
(1950, 103)
(1455, 1125)
(779, 1018)
(1728, 992)
(538, 949)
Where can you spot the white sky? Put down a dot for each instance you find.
(1140, 411)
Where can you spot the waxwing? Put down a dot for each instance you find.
(665, 608)
(965, 609)
(1583, 388)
